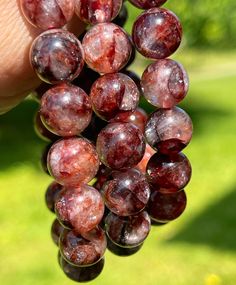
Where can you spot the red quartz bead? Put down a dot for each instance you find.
(157, 33)
(73, 161)
(99, 11)
(66, 110)
(164, 83)
(107, 48)
(80, 207)
(169, 130)
(48, 14)
(57, 55)
(120, 145)
(114, 93)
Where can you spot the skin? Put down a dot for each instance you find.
(17, 78)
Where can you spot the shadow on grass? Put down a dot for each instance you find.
(215, 226)
(18, 142)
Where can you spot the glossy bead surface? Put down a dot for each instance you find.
(114, 93)
(157, 33)
(149, 152)
(164, 83)
(170, 172)
(126, 193)
(56, 231)
(147, 4)
(164, 208)
(73, 161)
(120, 145)
(169, 130)
(99, 11)
(66, 110)
(122, 251)
(85, 249)
(51, 195)
(56, 56)
(41, 131)
(48, 14)
(82, 274)
(107, 48)
(128, 231)
(80, 207)
(138, 118)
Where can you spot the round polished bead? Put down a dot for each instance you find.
(51, 195)
(41, 131)
(149, 152)
(66, 110)
(80, 207)
(85, 249)
(82, 274)
(157, 33)
(99, 11)
(138, 118)
(169, 172)
(169, 130)
(56, 56)
(56, 231)
(126, 193)
(128, 231)
(164, 83)
(164, 208)
(48, 14)
(147, 4)
(107, 48)
(120, 145)
(73, 161)
(114, 93)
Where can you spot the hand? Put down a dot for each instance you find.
(17, 78)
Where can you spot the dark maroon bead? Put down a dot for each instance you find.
(169, 130)
(135, 77)
(51, 195)
(164, 208)
(99, 11)
(149, 152)
(80, 207)
(157, 33)
(122, 251)
(73, 161)
(120, 145)
(48, 14)
(66, 110)
(138, 118)
(165, 83)
(169, 172)
(86, 79)
(147, 4)
(56, 56)
(107, 48)
(114, 93)
(38, 92)
(122, 17)
(41, 131)
(128, 231)
(81, 274)
(85, 249)
(126, 193)
(56, 231)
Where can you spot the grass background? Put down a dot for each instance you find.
(197, 249)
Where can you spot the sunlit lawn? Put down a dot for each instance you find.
(199, 248)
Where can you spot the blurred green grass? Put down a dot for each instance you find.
(197, 249)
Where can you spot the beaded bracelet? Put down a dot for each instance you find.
(107, 196)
